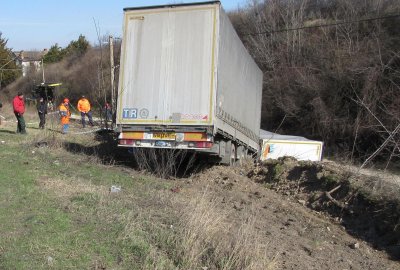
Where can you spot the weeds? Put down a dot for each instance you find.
(164, 163)
(206, 238)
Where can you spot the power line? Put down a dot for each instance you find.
(7, 63)
(323, 25)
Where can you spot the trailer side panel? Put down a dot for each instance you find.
(239, 83)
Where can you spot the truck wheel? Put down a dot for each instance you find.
(241, 154)
(229, 149)
(232, 157)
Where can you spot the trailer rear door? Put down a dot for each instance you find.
(168, 68)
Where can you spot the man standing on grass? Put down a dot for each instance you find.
(65, 115)
(42, 111)
(19, 110)
(84, 108)
(1, 105)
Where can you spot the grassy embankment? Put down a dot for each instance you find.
(58, 212)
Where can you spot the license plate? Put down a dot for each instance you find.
(163, 144)
(164, 136)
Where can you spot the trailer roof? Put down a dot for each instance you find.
(173, 5)
(268, 135)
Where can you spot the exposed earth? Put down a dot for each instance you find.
(300, 230)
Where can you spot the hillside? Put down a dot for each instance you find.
(331, 72)
(59, 212)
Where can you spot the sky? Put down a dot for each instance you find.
(39, 24)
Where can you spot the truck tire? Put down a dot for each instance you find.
(232, 155)
(241, 154)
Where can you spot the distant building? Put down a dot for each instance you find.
(29, 60)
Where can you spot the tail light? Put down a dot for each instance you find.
(204, 144)
(126, 142)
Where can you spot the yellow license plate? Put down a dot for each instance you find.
(164, 136)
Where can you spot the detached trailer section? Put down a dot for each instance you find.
(275, 146)
(187, 82)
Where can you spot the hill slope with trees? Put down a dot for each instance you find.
(8, 69)
(331, 71)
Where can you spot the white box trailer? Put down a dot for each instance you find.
(187, 82)
(276, 145)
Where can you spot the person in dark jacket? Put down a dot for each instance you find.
(42, 111)
(1, 105)
(19, 110)
(107, 112)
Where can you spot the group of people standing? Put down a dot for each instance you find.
(83, 107)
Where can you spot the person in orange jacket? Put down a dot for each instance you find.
(84, 108)
(65, 115)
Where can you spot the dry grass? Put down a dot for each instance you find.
(67, 188)
(201, 225)
(373, 181)
(6, 112)
(208, 239)
(164, 163)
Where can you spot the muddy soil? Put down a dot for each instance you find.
(301, 226)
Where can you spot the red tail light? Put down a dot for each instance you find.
(126, 142)
(203, 144)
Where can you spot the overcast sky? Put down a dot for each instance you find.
(39, 24)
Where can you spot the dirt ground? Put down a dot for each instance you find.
(295, 236)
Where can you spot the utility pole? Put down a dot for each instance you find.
(43, 81)
(113, 103)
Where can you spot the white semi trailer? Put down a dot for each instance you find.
(187, 82)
